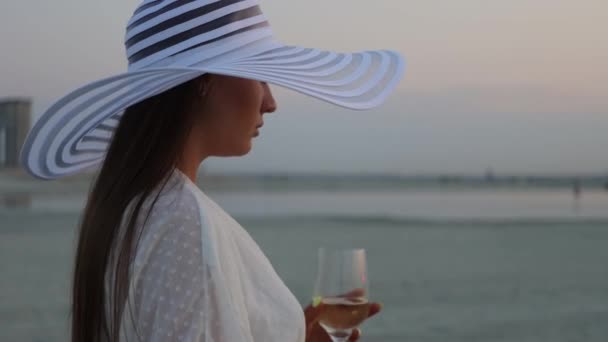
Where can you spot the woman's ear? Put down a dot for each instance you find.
(203, 85)
(203, 88)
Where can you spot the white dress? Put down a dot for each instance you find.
(199, 276)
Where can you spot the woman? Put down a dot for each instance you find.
(158, 260)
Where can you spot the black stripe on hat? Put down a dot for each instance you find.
(180, 19)
(247, 28)
(199, 30)
(146, 6)
(95, 139)
(211, 7)
(92, 150)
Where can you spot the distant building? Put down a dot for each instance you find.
(14, 126)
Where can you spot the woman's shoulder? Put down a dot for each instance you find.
(184, 213)
(173, 201)
(174, 222)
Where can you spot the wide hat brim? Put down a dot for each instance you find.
(74, 133)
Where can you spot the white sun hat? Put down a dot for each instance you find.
(169, 42)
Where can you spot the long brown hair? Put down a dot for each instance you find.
(145, 149)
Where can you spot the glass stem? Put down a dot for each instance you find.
(340, 336)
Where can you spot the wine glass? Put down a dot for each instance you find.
(342, 286)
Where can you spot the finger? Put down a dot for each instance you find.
(374, 308)
(311, 313)
(316, 333)
(355, 335)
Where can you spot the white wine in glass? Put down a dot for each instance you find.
(342, 286)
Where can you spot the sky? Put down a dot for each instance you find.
(516, 86)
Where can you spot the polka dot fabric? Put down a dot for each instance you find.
(199, 276)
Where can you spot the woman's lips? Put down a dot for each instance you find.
(257, 129)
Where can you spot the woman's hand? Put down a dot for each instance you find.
(316, 333)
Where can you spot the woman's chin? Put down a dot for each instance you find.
(243, 150)
(236, 150)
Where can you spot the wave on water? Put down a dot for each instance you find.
(387, 221)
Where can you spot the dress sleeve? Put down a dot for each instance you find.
(178, 294)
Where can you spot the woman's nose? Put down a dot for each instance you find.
(269, 104)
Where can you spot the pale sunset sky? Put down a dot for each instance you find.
(519, 86)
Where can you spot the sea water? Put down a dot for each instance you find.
(467, 265)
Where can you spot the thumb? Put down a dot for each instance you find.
(312, 311)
